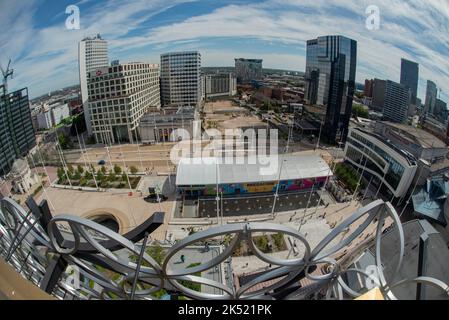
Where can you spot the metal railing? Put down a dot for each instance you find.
(114, 267)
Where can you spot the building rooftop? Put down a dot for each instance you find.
(409, 157)
(430, 201)
(183, 114)
(205, 171)
(436, 261)
(423, 138)
(223, 106)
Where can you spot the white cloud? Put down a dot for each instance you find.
(417, 30)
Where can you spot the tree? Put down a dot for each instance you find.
(359, 111)
(112, 177)
(133, 170)
(157, 253)
(61, 174)
(77, 175)
(103, 181)
(103, 170)
(88, 175)
(100, 175)
(117, 170)
(80, 169)
(64, 142)
(83, 181)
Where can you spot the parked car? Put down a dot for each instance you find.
(101, 163)
(152, 198)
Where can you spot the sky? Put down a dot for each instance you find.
(45, 57)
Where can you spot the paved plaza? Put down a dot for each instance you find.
(129, 211)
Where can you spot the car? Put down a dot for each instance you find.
(101, 163)
(152, 198)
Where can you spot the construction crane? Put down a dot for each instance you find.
(6, 74)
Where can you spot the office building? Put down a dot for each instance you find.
(92, 55)
(219, 85)
(247, 70)
(368, 89)
(51, 116)
(16, 128)
(410, 77)
(119, 96)
(441, 111)
(379, 87)
(397, 101)
(181, 79)
(431, 97)
(330, 83)
(389, 166)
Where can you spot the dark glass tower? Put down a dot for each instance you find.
(409, 77)
(16, 128)
(330, 75)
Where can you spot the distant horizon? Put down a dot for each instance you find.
(44, 51)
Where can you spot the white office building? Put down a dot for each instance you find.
(119, 96)
(389, 168)
(44, 120)
(51, 116)
(181, 79)
(219, 85)
(59, 112)
(92, 55)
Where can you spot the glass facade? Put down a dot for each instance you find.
(16, 128)
(409, 77)
(330, 75)
(379, 161)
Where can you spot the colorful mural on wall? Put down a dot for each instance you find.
(254, 188)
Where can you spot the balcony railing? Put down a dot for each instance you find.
(73, 263)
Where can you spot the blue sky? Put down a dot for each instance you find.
(44, 52)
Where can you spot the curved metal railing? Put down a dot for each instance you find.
(124, 270)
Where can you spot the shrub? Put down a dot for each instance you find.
(77, 175)
(278, 240)
(262, 243)
(133, 170)
(112, 177)
(88, 176)
(117, 170)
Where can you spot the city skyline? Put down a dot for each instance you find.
(44, 52)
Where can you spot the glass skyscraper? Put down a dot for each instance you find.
(330, 75)
(16, 128)
(409, 77)
(431, 96)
